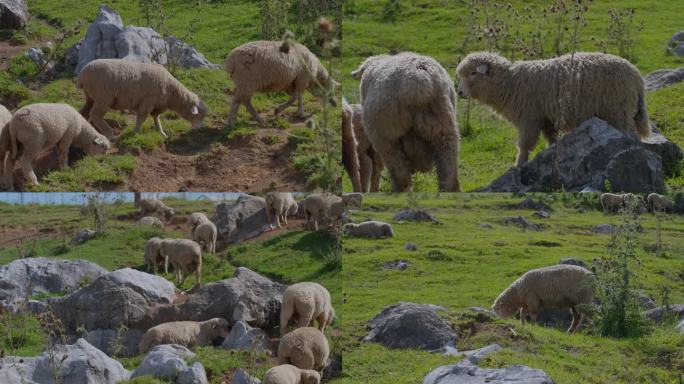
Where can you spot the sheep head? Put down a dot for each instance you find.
(195, 111)
(168, 213)
(506, 305)
(219, 328)
(310, 377)
(98, 145)
(481, 75)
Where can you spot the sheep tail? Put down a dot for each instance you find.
(642, 124)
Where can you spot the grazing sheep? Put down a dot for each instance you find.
(305, 348)
(660, 203)
(280, 204)
(409, 116)
(152, 221)
(144, 88)
(370, 161)
(369, 229)
(334, 210)
(611, 202)
(153, 206)
(314, 207)
(153, 257)
(272, 66)
(206, 233)
(556, 95)
(306, 301)
(39, 127)
(185, 256)
(350, 156)
(186, 333)
(194, 219)
(5, 117)
(289, 374)
(354, 199)
(558, 286)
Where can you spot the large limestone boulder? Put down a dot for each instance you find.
(663, 78)
(141, 44)
(14, 14)
(240, 220)
(165, 362)
(466, 372)
(99, 41)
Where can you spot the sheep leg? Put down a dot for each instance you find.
(158, 125)
(576, 320)
(523, 314)
(166, 265)
(397, 167)
(528, 137)
(253, 112)
(269, 217)
(280, 108)
(27, 167)
(97, 115)
(139, 120)
(300, 106)
(285, 315)
(232, 115)
(277, 217)
(378, 165)
(322, 320)
(87, 107)
(284, 217)
(446, 161)
(63, 154)
(9, 173)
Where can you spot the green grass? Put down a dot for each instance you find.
(438, 29)
(478, 264)
(102, 171)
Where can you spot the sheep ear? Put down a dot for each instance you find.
(99, 141)
(194, 110)
(482, 69)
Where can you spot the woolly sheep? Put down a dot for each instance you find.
(289, 374)
(194, 219)
(369, 229)
(558, 286)
(305, 348)
(153, 258)
(186, 333)
(611, 202)
(354, 199)
(315, 206)
(151, 221)
(144, 88)
(370, 161)
(334, 210)
(306, 301)
(658, 202)
(5, 117)
(556, 95)
(350, 156)
(39, 127)
(279, 205)
(206, 233)
(409, 116)
(185, 256)
(272, 66)
(153, 206)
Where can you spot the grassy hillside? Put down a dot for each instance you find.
(460, 263)
(440, 29)
(290, 256)
(287, 154)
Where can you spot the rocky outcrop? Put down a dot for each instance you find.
(242, 336)
(14, 14)
(240, 220)
(465, 372)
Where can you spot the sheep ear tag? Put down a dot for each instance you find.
(99, 141)
(481, 69)
(194, 110)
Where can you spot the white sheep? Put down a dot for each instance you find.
(280, 205)
(152, 206)
(320, 208)
(186, 333)
(205, 233)
(659, 203)
(306, 301)
(185, 256)
(5, 117)
(370, 161)
(352, 199)
(152, 221)
(273, 66)
(369, 229)
(143, 88)
(409, 116)
(556, 95)
(350, 156)
(611, 202)
(153, 258)
(289, 374)
(38, 127)
(558, 286)
(196, 218)
(305, 348)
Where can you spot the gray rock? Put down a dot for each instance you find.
(670, 153)
(646, 302)
(676, 44)
(111, 342)
(680, 327)
(82, 236)
(588, 156)
(411, 325)
(242, 377)
(186, 56)
(410, 247)
(523, 223)
(36, 307)
(486, 226)
(25, 277)
(663, 78)
(399, 265)
(99, 41)
(123, 297)
(571, 261)
(193, 375)
(465, 372)
(79, 363)
(334, 367)
(478, 354)
(414, 215)
(529, 203)
(14, 14)
(242, 336)
(241, 220)
(36, 55)
(605, 228)
(140, 44)
(657, 314)
(165, 361)
(542, 214)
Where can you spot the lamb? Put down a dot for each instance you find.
(152, 221)
(305, 348)
(289, 374)
(369, 229)
(186, 333)
(153, 258)
(558, 286)
(38, 127)
(409, 116)
(196, 218)
(354, 199)
(153, 206)
(206, 233)
(280, 204)
(350, 156)
(144, 88)
(659, 203)
(306, 301)
(556, 95)
(185, 256)
(273, 66)
(370, 162)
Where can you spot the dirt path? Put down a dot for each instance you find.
(8, 51)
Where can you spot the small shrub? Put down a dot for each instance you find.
(623, 32)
